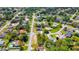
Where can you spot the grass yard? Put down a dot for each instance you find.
(63, 32)
(55, 30)
(54, 35)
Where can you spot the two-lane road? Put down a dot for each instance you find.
(31, 33)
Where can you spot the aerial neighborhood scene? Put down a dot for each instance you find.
(39, 28)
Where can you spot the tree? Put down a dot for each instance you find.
(75, 38)
(69, 41)
(27, 26)
(58, 43)
(76, 34)
(49, 44)
(46, 31)
(63, 48)
(41, 39)
(66, 18)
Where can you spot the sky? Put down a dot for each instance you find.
(39, 3)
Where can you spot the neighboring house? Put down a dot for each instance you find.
(1, 42)
(69, 34)
(55, 24)
(57, 19)
(2, 36)
(63, 22)
(77, 31)
(77, 26)
(77, 17)
(22, 30)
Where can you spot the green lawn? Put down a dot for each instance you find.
(63, 32)
(55, 30)
(54, 36)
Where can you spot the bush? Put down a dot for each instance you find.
(77, 43)
(49, 44)
(63, 48)
(69, 41)
(41, 39)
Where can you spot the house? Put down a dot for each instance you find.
(2, 36)
(40, 48)
(22, 30)
(46, 25)
(14, 21)
(57, 19)
(69, 34)
(77, 17)
(77, 26)
(14, 46)
(55, 24)
(77, 31)
(16, 17)
(39, 29)
(26, 18)
(62, 36)
(63, 22)
(1, 42)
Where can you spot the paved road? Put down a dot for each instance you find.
(63, 26)
(31, 33)
(9, 22)
(73, 15)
